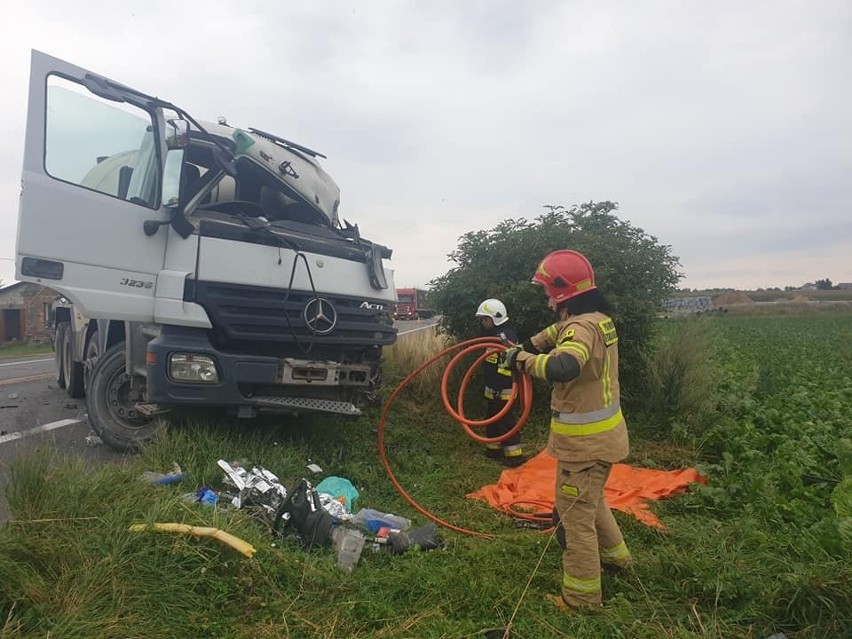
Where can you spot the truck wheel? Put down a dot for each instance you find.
(90, 358)
(111, 403)
(73, 370)
(58, 345)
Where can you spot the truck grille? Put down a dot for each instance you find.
(256, 314)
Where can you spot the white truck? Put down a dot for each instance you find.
(201, 264)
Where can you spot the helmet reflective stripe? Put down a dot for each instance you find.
(495, 309)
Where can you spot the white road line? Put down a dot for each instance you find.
(414, 330)
(29, 361)
(38, 429)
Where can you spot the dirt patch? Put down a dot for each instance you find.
(731, 298)
(801, 299)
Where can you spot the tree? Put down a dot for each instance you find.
(632, 268)
(824, 285)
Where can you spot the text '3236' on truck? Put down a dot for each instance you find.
(204, 265)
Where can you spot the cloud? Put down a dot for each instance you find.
(721, 128)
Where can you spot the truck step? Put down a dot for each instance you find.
(308, 404)
(149, 410)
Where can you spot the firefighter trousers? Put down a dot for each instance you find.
(511, 447)
(592, 535)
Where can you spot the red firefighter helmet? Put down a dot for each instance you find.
(565, 274)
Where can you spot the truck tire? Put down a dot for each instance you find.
(73, 370)
(58, 337)
(112, 404)
(90, 358)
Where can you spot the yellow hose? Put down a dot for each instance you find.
(201, 531)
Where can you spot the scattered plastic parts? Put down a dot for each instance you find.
(161, 479)
(423, 538)
(374, 520)
(778, 635)
(13, 396)
(314, 468)
(207, 496)
(333, 507)
(93, 440)
(340, 489)
(228, 539)
(349, 544)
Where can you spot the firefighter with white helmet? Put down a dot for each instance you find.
(579, 355)
(494, 321)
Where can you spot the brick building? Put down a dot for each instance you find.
(25, 312)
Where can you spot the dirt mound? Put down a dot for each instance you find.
(730, 298)
(801, 299)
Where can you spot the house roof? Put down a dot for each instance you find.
(4, 289)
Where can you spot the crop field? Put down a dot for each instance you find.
(765, 546)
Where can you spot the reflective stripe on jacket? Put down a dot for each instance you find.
(587, 422)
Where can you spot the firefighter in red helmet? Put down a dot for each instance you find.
(579, 355)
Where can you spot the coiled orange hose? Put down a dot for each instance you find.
(521, 390)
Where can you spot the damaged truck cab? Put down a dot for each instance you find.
(203, 264)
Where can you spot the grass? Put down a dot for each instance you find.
(751, 553)
(23, 350)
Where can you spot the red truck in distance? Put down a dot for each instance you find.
(412, 304)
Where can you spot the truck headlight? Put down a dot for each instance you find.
(190, 367)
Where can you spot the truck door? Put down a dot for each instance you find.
(94, 158)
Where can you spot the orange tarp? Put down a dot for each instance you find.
(532, 486)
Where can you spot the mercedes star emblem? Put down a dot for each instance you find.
(320, 316)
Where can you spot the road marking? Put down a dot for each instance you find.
(29, 361)
(27, 378)
(38, 429)
(414, 330)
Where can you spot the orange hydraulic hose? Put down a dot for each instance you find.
(525, 393)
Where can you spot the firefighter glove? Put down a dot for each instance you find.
(506, 359)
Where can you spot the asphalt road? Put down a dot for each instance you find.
(36, 414)
(14, 368)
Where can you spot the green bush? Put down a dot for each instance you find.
(632, 268)
(679, 388)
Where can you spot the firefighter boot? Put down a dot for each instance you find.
(564, 606)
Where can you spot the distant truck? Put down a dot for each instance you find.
(411, 304)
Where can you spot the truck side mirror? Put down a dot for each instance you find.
(177, 134)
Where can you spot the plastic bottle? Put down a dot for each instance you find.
(349, 544)
(372, 520)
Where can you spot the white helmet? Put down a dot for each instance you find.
(495, 309)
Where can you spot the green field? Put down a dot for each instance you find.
(763, 547)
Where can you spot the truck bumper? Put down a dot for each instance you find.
(232, 369)
(267, 383)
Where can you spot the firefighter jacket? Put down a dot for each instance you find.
(586, 422)
(498, 382)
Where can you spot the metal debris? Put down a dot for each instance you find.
(334, 507)
(255, 487)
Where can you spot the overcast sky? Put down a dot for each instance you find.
(724, 129)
